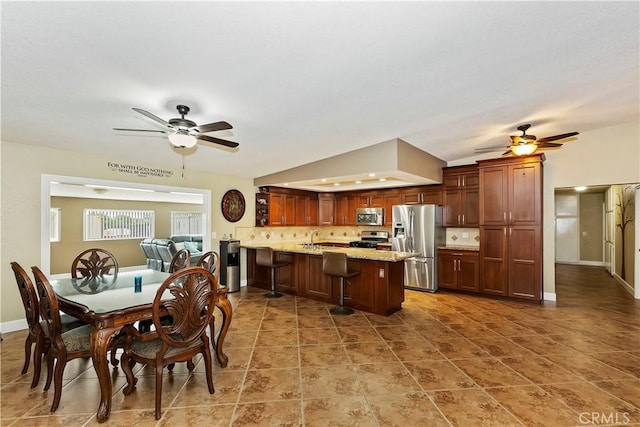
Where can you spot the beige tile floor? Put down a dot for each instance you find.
(445, 359)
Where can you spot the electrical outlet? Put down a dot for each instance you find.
(214, 234)
(381, 273)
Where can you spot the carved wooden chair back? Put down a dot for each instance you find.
(94, 263)
(210, 261)
(187, 299)
(31, 312)
(180, 261)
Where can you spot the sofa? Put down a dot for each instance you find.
(160, 252)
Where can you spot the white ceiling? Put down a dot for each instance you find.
(302, 81)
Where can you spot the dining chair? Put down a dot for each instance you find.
(193, 296)
(211, 262)
(181, 260)
(63, 345)
(94, 263)
(37, 334)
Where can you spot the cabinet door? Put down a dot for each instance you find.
(326, 211)
(376, 201)
(471, 180)
(451, 180)
(301, 210)
(359, 287)
(471, 210)
(525, 204)
(286, 279)
(317, 284)
(353, 203)
(360, 201)
(276, 209)
(468, 272)
(452, 212)
(289, 210)
(342, 206)
(446, 270)
(493, 256)
(493, 195)
(525, 263)
(312, 211)
(431, 198)
(389, 201)
(411, 198)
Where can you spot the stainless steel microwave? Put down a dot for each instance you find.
(370, 216)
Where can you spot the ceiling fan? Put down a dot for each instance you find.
(184, 133)
(522, 145)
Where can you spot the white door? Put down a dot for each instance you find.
(567, 228)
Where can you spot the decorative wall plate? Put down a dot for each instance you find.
(233, 205)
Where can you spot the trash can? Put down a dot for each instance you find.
(230, 264)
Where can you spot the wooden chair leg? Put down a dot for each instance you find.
(114, 358)
(127, 366)
(27, 353)
(37, 360)
(208, 369)
(57, 382)
(47, 384)
(158, 391)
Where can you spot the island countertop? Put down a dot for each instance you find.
(355, 253)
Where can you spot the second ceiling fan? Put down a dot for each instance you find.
(524, 144)
(184, 133)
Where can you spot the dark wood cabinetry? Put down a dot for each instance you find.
(306, 210)
(511, 227)
(424, 195)
(458, 270)
(389, 201)
(461, 196)
(278, 206)
(326, 209)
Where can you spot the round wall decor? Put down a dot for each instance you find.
(233, 205)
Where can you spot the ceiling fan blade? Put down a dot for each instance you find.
(152, 117)
(139, 130)
(210, 127)
(217, 141)
(489, 149)
(556, 137)
(507, 152)
(549, 145)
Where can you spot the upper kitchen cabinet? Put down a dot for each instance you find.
(390, 199)
(284, 207)
(461, 196)
(345, 211)
(326, 208)
(511, 191)
(423, 195)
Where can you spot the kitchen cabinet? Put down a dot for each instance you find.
(461, 196)
(316, 284)
(326, 209)
(390, 200)
(458, 269)
(346, 206)
(306, 210)
(282, 209)
(286, 277)
(511, 227)
(425, 195)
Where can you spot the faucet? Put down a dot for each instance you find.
(313, 232)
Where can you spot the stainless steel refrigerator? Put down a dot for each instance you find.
(418, 228)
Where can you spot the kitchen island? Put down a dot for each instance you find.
(379, 288)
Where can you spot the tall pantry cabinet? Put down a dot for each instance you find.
(511, 227)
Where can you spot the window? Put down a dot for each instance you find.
(186, 223)
(54, 224)
(118, 224)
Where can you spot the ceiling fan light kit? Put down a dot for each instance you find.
(182, 140)
(523, 149)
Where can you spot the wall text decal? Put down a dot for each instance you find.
(138, 170)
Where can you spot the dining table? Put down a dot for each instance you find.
(110, 302)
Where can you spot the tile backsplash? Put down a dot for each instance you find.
(463, 236)
(301, 234)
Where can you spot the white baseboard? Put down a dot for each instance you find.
(13, 325)
(549, 296)
(627, 287)
(591, 263)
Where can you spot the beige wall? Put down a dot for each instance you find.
(591, 227)
(22, 167)
(127, 251)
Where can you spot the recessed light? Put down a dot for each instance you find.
(358, 182)
(372, 174)
(286, 184)
(382, 179)
(324, 180)
(336, 184)
(580, 188)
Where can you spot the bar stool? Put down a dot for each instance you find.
(264, 258)
(335, 264)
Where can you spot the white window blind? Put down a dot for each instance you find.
(186, 222)
(55, 224)
(118, 224)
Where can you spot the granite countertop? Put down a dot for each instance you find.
(460, 248)
(356, 253)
